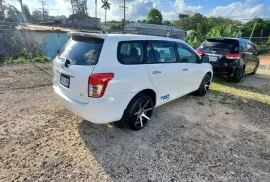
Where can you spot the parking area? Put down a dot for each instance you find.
(224, 136)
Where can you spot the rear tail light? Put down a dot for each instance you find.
(97, 84)
(233, 56)
(200, 52)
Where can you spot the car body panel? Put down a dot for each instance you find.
(128, 80)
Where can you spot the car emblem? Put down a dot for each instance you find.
(214, 52)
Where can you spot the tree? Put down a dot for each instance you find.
(106, 6)
(190, 22)
(26, 13)
(13, 14)
(154, 17)
(262, 28)
(116, 26)
(166, 22)
(37, 15)
(2, 9)
(183, 15)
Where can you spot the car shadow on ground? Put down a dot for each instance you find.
(178, 145)
(127, 155)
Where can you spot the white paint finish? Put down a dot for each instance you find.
(127, 82)
(79, 75)
(166, 78)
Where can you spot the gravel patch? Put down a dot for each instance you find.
(189, 139)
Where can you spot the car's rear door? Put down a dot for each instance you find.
(74, 64)
(193, 70)
(164, 70)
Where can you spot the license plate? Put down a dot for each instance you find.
(212, 59)
(65, 80)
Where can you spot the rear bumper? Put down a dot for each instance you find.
(98, 110)
(224, 70)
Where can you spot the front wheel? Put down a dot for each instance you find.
(205, 85)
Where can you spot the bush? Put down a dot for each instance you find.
(263, 49)
(22, 59)
(268, 41)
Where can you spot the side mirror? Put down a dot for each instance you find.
(205, 59)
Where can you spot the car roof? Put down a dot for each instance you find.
(123, 37)
(229, 38)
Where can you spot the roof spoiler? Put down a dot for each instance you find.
(83, 34)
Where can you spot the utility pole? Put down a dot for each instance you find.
(253, 30)
(96, 8)
(43, 9)
(124, 23)
(261, 36)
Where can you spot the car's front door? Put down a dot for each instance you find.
(249, 58)
(255, 58)
(164, 70)
(193, 70)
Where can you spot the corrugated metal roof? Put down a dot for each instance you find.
(152, 26)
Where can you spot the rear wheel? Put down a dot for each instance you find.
(204, 87)
(255, 69)
(138, 112)
(238, 75)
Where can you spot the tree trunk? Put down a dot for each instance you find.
(2, 9)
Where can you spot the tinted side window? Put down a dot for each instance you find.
(130, 52)
(163, 52)
(254, 49)
(186, 55)
(249, 48)
(243, 46)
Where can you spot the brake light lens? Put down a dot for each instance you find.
(200, 52)
(97, 84)
(233, 56)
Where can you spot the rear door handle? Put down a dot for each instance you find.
(185, 69)
(156, 72)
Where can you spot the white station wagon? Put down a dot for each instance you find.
(111, 77)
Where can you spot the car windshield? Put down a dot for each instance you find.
(231, 46)
(82, 50)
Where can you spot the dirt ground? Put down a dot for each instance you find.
(264, 59)
(190, 139)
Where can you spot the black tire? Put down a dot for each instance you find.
(138, 112)
(255, 69)
(204, 87)
(238, 75)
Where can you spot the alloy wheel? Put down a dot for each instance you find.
(142, 114)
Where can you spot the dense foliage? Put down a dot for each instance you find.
(154, 17)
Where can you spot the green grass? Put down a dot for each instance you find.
(41, 59)
(263, 72)
(232, 90)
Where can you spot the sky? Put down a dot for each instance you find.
(138, 9)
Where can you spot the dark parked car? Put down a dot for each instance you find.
(231, 57)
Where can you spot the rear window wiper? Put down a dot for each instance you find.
(67, 61)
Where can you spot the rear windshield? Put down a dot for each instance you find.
(220, 45)
(82, 50)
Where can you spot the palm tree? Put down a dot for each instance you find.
(106, 5)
